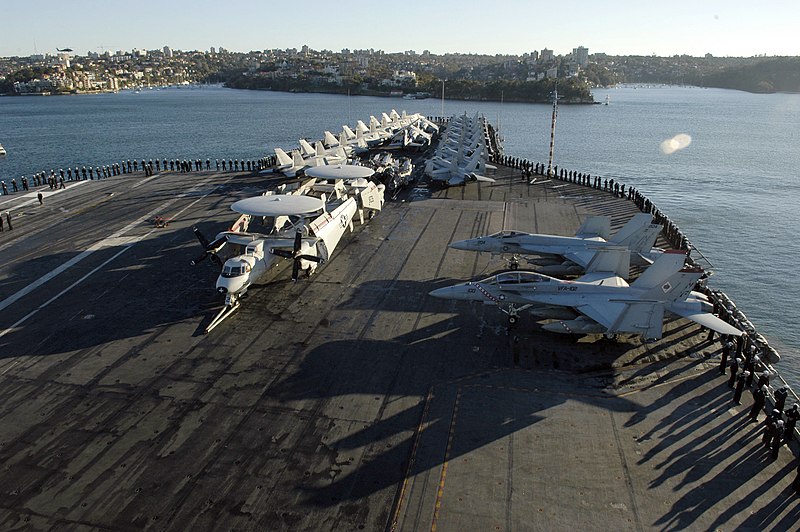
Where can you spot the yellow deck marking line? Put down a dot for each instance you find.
(443, 476)
(412, 459)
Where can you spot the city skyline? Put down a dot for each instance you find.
(614, 28)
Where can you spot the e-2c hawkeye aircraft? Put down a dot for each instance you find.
(306, 243)
(598, 302)
(638, 235)
(291, 235)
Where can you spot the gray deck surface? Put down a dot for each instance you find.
(350, 401)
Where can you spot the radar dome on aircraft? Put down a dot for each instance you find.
(340, 171)
(278, 205)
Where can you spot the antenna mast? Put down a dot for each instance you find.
(553, 132)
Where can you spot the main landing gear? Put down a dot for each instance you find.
(512, 311)
(513, 262)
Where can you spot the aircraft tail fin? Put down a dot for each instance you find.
(475, 164)
(611, 259)
(631, 231)
(297, 159)
(666, 265)
(667, 279)
(646, 240)
(348, 133)
(594, 226)
(330, 140)
(283, 158)
(306, 148)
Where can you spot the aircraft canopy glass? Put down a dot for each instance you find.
(519, 278)
(506, 234)
(235, 270)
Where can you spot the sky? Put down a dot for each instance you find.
(664, 28)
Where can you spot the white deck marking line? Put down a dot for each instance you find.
(132, 241)
(109, 241)
(143, 181)
(34, 198)
(67, 289)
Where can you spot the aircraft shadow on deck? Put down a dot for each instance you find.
(437, 358)
(435, 363)
(535, 347)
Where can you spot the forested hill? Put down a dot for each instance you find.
(781, 74)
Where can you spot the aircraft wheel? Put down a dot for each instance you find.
(512, 320)
(514, 266)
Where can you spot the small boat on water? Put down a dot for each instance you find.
(2, 150)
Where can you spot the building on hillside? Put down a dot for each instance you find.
(581, 56)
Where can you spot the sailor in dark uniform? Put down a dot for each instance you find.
(734, 368)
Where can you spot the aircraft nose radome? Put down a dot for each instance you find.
(442, 293)
(227, 285)
(448, 292)
(465, 245)
(453, 292)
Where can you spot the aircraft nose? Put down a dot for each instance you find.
(465, 245)
(459, 291)
(226, 285)
(441, 293)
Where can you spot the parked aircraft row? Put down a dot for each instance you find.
(600, 301)
(394, 131)
(303, 223)
(461, 155)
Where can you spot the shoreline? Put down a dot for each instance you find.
(400, 97)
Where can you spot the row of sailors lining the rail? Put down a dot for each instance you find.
(56, 179)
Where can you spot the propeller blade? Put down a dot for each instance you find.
(295, 270)
(200, 259)
(298, 242)
(217, 244)
(311, 258)
(217, 260)
(203, 240)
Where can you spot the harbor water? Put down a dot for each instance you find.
(734, 190)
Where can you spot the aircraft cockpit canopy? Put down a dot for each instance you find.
(236, 269)
(507, 234)
(517, 278)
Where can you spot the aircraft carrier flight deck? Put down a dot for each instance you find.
(351, 400)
